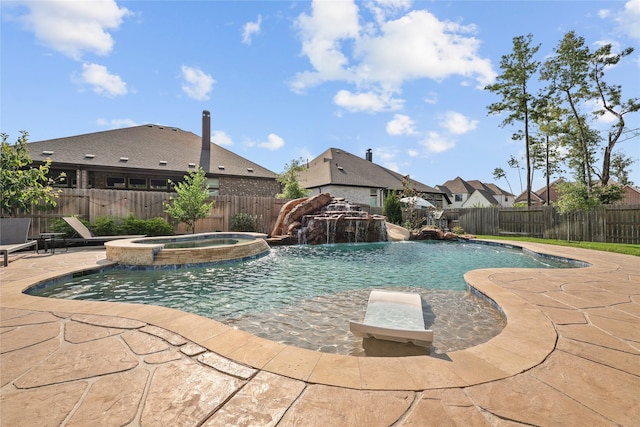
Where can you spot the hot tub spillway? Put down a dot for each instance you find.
(341, 222)
(151, 251)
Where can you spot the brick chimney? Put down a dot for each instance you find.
(205, 152)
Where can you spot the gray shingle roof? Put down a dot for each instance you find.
(146, 147)
(458, 186)
(339, 167)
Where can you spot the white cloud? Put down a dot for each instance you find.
(117, 123)
(401, 125)
(74, 27)
(273, 142)
(457, 123)
(629, 19)
(385, 54)
(431, 98)
(251, 28)
(103, 82)
(197, 84)
(322, 33)
(221, 138)
(368, 102)
(436, 143)
(413, 153)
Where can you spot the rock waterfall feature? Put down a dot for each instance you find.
(324, 219)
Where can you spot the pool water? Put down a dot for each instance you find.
(285, 288)
(199, 243)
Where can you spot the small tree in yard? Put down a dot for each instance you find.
(22, 185)
(289, 181)
(392, 208)
(190, 204)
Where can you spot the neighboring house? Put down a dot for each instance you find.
(631, 195)
(474, 193)
(146, 157)
(539, 197)
(359, 180)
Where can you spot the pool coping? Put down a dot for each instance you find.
(528, 338)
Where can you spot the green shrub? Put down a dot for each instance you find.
(104, 226)
(243, 222)
(458, 230)
(132, 225)
(157, 227)
(392, 208)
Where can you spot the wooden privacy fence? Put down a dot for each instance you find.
(90, 204)
(612, 224)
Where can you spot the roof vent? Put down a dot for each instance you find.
(163, 163)
(340, 168)
(249, 169)
(47, 152)
(89, 156)
(221, 167)
(192, 165)
(124, 159)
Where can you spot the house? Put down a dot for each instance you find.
(631, 195)
(146, 157)
(539, 197)
(474, 193)
(359, 179)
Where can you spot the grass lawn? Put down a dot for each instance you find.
(608, 247)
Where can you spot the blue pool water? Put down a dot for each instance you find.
(289, 275)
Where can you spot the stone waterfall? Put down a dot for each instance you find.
(325, 219)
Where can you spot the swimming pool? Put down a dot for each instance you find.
(282, 290)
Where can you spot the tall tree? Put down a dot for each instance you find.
(499, 173)
(567, 72)
(190, 204)
(610, 97)
(518, 68)
(21, 184)
(620, 168)
(548, 118)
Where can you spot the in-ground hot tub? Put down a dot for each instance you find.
(202, 248)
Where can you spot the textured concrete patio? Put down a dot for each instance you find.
(570, 355)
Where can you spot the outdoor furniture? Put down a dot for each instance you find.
(51, 239)
(394, 316)
(87, 236)
(14, 236)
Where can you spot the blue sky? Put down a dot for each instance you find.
(285, 79)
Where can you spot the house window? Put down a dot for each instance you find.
(116, 182)
(373, 197)
(458, 197)
(138, 183)
(158, 184)
(214, 186)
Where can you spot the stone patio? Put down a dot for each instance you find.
(570, 355)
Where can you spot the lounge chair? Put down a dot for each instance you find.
(87, 236)
(14, 236)
(394, 316)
